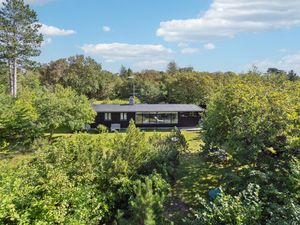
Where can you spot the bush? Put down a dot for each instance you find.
(243, 209)
(146, 201)
(102, 129)
(217, 155)
(87, 180)
(19, 123)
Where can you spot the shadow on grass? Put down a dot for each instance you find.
(195, 176)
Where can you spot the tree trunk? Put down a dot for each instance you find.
(11, 78)
(15, 78)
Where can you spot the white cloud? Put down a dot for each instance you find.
(132, 52)
(226, 18)
(150, 64)
(209, 46)
(54, 31)
(189, 51)
(39, 2)
(183, 45)
(287, 63)
(106, 29)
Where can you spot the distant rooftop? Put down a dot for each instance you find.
(147, 108)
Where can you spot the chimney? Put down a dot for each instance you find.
(131, 100)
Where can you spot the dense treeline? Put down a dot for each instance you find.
(179, 85)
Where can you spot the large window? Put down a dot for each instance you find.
(156, 118)
(107, 116)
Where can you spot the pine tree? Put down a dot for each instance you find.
(20, 37)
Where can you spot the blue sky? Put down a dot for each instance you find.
(209, 35)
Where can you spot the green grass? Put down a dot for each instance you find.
(13, 158)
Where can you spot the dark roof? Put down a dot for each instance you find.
(147, 108)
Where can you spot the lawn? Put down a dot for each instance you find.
(194, 176)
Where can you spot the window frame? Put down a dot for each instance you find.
(107, 116)
(123, 116)
(146, 118)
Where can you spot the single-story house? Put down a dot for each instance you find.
(116, 116)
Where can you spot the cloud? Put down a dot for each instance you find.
(183, 45)
(226, 18)
(287, 63)
(38, 2)
(149, 64)
(106, 29)
(209, 46)
(189, 51)
(132, 52)
(54, 31)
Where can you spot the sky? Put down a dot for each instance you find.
(209, 35)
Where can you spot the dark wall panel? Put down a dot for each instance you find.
(184, 120)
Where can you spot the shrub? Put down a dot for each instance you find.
(234, 210)
(83, 179)
(102, 129)
(217, 155)
(146, 201)
(19, 123)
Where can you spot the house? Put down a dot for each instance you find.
(116, 116)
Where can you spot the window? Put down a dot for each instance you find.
(123, 116)
(156, 118)
(107, 116)
(139, 118)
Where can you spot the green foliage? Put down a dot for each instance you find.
(20, 37)
(248, 118)
(60, 185)
(257, 121)
(172, 68)
(190, 87)
(87, 179)
(82, 74)
(146, 203)
(102, 129)
(18, 121)
(63, 108)
(133, 150)
(243, 209)
(117, 101)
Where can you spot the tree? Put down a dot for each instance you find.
(63, 108)
(275, 71)
(19, 124)
(190, 88)
(292, 76)
(172, 67)
(83, 75)
(53, 72)
(19, 37)
(251, 118)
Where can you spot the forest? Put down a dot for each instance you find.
(53, 172)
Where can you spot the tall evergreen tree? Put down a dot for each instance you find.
(20, 37)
